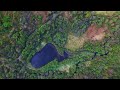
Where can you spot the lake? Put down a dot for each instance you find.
(47, 54)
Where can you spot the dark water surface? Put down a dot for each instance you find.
(47, 54)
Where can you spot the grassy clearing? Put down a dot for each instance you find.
(74, 43)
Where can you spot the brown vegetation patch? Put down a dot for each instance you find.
(42, 13)
(96, 34)
(67, 15)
